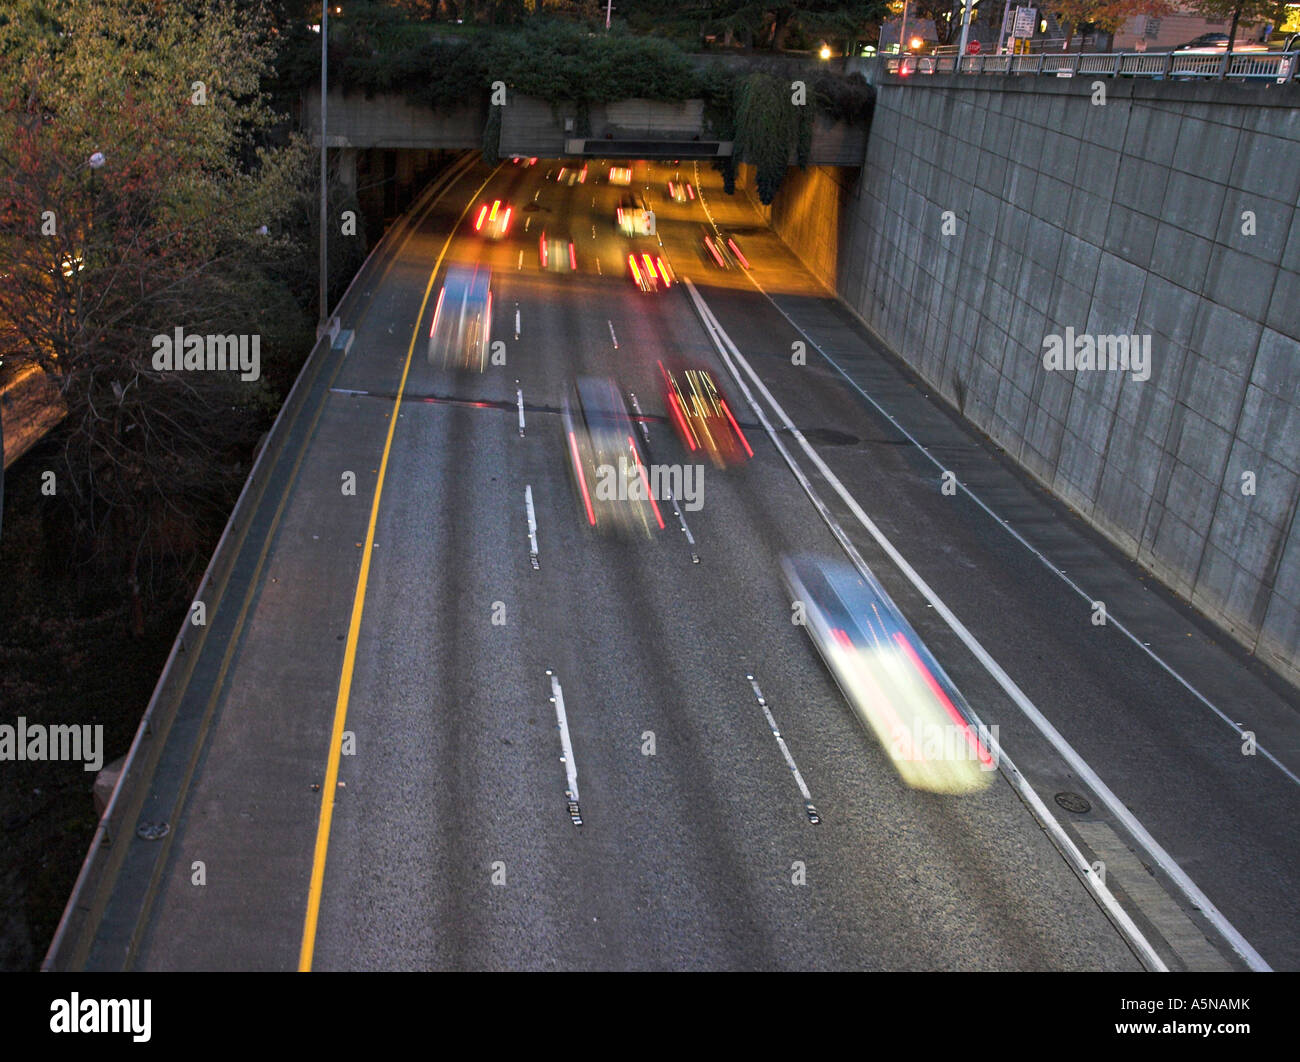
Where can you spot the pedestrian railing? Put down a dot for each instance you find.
(1249, 66)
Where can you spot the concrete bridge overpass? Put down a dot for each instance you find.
(637, 128)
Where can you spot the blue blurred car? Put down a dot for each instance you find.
(462, 320)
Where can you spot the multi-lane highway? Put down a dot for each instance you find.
(380, 785)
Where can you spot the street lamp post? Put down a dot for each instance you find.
(965, 31)
(902, 30)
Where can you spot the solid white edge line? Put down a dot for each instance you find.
(566, 746)
(1111, 621)
(1099, 889)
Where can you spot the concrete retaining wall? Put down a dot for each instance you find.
(1133, 217)
(391, 121)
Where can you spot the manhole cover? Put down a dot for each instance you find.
(152, 831)
(1073, 802)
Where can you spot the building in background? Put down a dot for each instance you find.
(1166, 32)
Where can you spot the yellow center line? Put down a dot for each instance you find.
(354, 627)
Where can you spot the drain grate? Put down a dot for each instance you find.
(1073, 802)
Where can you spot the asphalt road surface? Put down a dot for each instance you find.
(425, 650)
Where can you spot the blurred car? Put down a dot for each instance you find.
(461, 332)
(648, 273)
(609, 473)
(557, 253)
(571, 175)
(889, 677)
(721, 249)
(493, 219)
(517, 159)
(1217, 44)
(680, 191)
(634, 217)
(620, 175)
(702, 417)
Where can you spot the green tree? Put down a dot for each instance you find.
(766, 128)
(135, 199)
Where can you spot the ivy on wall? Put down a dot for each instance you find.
(571, 69)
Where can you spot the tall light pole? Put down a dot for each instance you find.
(965, 30)
(902, 29)
(324, 175)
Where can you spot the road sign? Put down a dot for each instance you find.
(973, 48)
(1025, 18)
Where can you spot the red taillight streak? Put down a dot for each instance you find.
(714, 251)
(478, 225)
(436, 311)
(663, 272)
(743, 440)
(636, 273)
(496, 205)
(505, 221)
(541, 249)
(649, 267)
(743, 260)
(646, 483)
(937, 690)
(681, 418)
(690, 191)
(573, 258)
(582, 480)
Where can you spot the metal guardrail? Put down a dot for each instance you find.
(1248, 66)
(72, 939)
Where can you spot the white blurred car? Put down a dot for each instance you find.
(890, 678)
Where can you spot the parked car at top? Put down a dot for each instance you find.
(1217, 43)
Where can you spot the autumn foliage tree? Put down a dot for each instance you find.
(134, 199)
